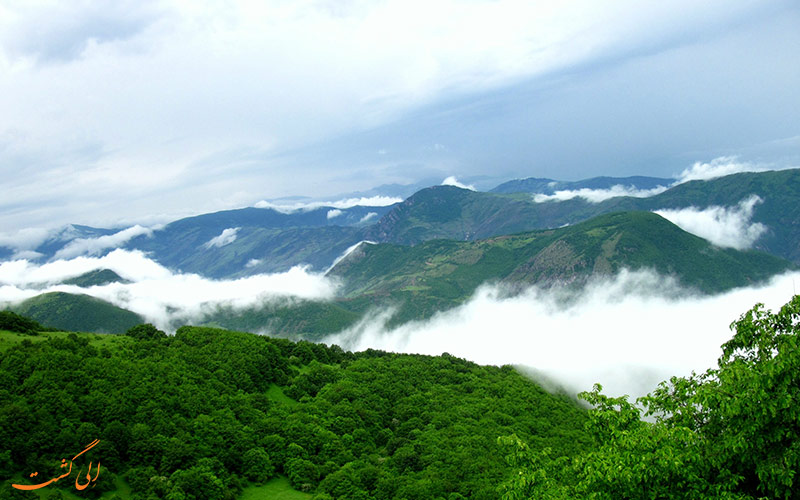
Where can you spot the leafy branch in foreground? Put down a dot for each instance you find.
(731, 432)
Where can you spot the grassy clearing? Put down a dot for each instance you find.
(275, 489)
(275, 393)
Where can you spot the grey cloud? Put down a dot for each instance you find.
(61, 32)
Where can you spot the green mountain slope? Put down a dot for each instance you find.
(98, 277)
(779, 210)
(448, 212)
(441, 273)
(295, 319)
(458, 214)
(76, 312)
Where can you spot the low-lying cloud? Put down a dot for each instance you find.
(627, 333)
(368, 217)
(452, 181)
(333, 213)
(371, 201)
(226, 237)
(599, 195)
(24, 240)
(730, 227)
(718, 167)
(96, 246)
(159, 295)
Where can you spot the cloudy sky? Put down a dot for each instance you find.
(119, 112)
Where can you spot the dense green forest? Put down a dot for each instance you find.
(206, 413)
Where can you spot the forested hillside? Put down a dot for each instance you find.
(208, 414)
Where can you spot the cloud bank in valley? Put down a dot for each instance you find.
(599, 195)
(158, 294)
(627, 333)
(371, 201)
(95, 246)
(730, 227)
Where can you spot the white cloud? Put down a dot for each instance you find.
(452, 181)
(253, 262)
(371, 201)
(25, 239)
(730, 227)
(347, 252)
(599, 195)
(95, 246)
(27, 255)
(718, 167)
(333, 213)
(226, 237)
(628, 333)
(370, 216)
(162, 297)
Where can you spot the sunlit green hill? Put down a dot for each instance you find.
(77, 312)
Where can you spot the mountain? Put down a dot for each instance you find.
(98, 277)
(238, 242)
(449, 212)
(549, 186)
(453, 213)
(779, 209)
(247, 241)
(76, 312)
(254, 250)
(292, 319)
(436, 275)
(451, 270)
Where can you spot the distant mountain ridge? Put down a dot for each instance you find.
(550, 186)
(248, 241)
(437, 275)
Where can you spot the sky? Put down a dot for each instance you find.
(126, 112)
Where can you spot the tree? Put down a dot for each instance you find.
(731, 432)
(13, 322)
(257, 465)
(145, 331)
(747, 409)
